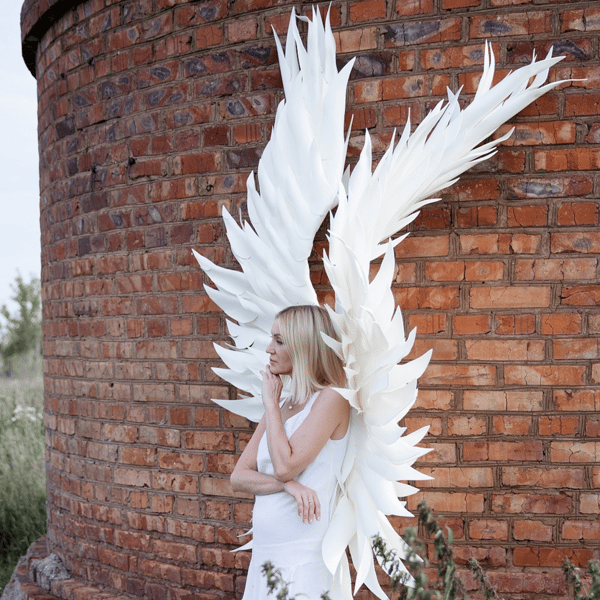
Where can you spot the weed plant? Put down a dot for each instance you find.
(447, 585)
(22, 472)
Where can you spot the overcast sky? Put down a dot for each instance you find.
(19, 180)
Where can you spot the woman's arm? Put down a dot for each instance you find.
(245, 476)
(329, 415)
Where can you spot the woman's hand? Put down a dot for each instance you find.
(309, 506)
(271, 387)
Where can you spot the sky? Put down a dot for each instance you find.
(19, 179)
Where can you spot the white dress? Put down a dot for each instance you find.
(280, 536)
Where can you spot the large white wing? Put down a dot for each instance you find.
(373, 207)
(298, 176)
(301, 178)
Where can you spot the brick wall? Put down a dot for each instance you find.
(151, 115)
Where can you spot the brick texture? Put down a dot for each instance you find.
(151, 115)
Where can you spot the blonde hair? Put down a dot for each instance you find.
(315, 365)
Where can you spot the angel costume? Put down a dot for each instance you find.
(280, 536)
(302, 179)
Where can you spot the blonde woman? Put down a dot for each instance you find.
(292, 461)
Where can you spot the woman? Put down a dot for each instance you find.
(292, 461)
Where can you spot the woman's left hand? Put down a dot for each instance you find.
(271, 387)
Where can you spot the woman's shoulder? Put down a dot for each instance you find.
(329, 395)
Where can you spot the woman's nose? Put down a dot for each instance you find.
(270, 348)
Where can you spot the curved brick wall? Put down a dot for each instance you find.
(151, 115)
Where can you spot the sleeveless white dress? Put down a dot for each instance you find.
(280, 536)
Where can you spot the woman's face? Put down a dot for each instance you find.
(280, 360)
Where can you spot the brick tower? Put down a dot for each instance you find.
(152, 113)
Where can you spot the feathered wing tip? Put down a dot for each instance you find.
(443, 146)
(298, 175)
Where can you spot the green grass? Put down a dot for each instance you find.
(22, 472)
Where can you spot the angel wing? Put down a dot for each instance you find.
(298, 175)
(301, 177)
(373, 207)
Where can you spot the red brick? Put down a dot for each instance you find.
(575, 452)
(203, 162)
(512, 425)
(581, 530)
(523, 23)
(181, 461)
(557, 187)
(573, 349)
(175, 551)
(515, 324)
(496, 350)
(410, 86)
(477, 216)
(532, 530)
(580, 295)
(445, 271)
(576, 105)
(475, 189)
(561, 269)
(577, 213)
(423, 247)
(582, 159)
(589, 503)
(413, 7)
(484, 271)
(529, 583)
(449, 502)
(585, 242)
(558, 425)
(544, 375)
(580, 20)
(247, 133)
(543, 504)
(428, 323)
(488, 529)
(209, 440)
(466, 425)
(493, 557)
(368, 91)
(442, 349)
(145, 457)
(367, 10)
(503, 451)
(471, 324)
(241, 30)
(551, 557)
(499, 297)
(434, 399)
(455, 477)
(527, 134)
(442, 30)
(457, 4)
(499, 243)
(356, 40)
(437, 298)
(527, 216)
(592, 427)
(458, 374)
(441, 453)
(552, 477)
(208, 580)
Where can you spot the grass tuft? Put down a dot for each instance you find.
(22, 471)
